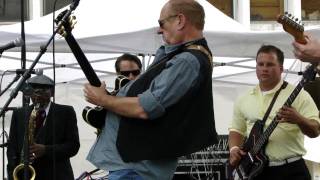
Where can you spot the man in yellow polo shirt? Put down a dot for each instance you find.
(285, 146)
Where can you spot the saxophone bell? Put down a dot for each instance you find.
(19, 170)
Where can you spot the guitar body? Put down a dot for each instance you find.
(94, 116)
(251, 165)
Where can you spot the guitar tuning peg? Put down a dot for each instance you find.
(289, 15)
(286, 12)
(296, 19)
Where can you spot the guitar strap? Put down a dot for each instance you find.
(266, 115)
(203, 50)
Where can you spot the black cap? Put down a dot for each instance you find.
(41, 80)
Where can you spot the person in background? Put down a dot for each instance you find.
(128, 65)
(167, 112)
(56, 137)
(285, 146)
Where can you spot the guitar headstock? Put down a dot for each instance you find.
(66, 26)
(292, 26)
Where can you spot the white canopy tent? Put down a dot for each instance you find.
(107, 28)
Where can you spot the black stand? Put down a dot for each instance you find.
(27, 74)
(4, 136)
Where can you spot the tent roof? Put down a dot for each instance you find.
(103, 27)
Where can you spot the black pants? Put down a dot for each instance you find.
(292, 171)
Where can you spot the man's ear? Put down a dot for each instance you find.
(182, 21)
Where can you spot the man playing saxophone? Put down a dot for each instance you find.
(55, 131)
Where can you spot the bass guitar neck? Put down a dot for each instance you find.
(82, 60)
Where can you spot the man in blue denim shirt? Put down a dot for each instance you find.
(168, 111)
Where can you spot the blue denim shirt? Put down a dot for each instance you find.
(168, 87)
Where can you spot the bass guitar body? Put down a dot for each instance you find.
(252, 163)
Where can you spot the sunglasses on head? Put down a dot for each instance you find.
(133, 72)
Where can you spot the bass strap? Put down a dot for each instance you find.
(266, 115)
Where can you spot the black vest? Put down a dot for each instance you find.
(186, 127)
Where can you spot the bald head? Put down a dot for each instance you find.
(181, 21)
(191, 9)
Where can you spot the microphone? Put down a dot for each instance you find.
(22, 71)
(15, 43)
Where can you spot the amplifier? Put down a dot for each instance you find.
(206, 164)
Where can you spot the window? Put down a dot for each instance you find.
(48, 5)
(225, 6)
(265, 10)
(10, 10)
(310, 10)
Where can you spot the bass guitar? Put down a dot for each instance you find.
(93, 116)
(255, 159)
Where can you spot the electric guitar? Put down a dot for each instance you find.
(255, 159)
(93, 116)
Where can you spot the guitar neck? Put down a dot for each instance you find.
(266, 134)
(82, 60)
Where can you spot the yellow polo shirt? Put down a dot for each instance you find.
(286, 140)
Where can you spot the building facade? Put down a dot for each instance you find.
(254, 14)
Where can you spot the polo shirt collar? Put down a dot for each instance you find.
(275, 89)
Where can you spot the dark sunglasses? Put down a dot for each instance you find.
(162, 21)
(133, 72)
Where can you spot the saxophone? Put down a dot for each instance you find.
(32, 125)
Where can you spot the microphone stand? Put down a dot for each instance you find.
(27, 74)
(4, 135)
